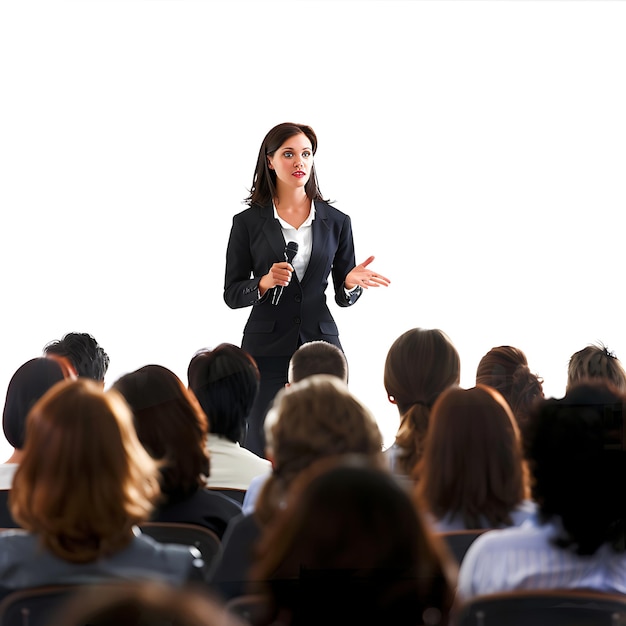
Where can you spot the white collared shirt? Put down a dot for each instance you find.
(303, 236)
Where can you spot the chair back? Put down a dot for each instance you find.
(34, 606)
(204, 539)
(546, 607)
(459, 541)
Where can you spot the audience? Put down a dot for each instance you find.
(173, 428)
(225, 381)
(593, 362)
(576, 448)
(350, 547)
(505, 368)
(472, 473)
(83, 482)
(27, 385)
(315, 418)
(420, 364)
(317, 357)
(81, 354)
(313, 357)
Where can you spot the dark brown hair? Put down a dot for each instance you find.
(505, 368)
(420, 364)
(263, 189)
(171, 425)
(350, 538)
(473, 459)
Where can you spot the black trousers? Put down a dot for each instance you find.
(273, 372)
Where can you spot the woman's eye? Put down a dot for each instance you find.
(288, 154)
(306, 154)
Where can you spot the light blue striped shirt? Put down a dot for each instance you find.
(524, 557)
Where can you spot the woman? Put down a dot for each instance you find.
(225, 381)
(350, 547)
(576, 450)
(173, 429)
(313, 419)
(472, 473)
(505, 368)
(421, 363)
(30, 381)
(287, 292)
(84, 481)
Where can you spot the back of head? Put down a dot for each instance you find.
(473, 458)
(576, 447)
(225, 381)
(84, 479)
(144, 603)
(420, 364)
(318, 357)
(171, 426)
(505, 368)
(30, 381)
(313, 419)
(84, 352)
(596, 361)
(351, 538)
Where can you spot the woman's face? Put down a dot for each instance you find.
(292, 162)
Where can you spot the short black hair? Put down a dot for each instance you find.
(86, 355)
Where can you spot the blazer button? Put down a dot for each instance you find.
(296, 320)
(298, 298)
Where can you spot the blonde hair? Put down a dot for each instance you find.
(84, 479)
(315, 418)
(595, 361)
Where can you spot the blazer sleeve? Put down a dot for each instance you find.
(241, 287)
(343, 262)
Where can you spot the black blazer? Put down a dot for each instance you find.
(256, 242)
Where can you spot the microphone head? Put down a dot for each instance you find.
(291, 249)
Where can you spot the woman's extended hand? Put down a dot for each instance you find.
(364, 277)
(279, 274)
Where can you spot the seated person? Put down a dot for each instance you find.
(80, 355)
(350, 547)
(420, 364)
(596, 361)
(576, 450)
(472, 473)
(505, 368)
(83, 483)
(313, 357)
(315, 418)
(173, 428)
(225, 381)
(30, 381)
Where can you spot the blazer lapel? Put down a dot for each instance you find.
(320, 237)
(272, 231)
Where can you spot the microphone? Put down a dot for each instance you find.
(291, 249)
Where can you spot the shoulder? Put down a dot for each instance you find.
(327, 211)
(254, 212)
(16, 542)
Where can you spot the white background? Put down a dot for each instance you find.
(479, 148)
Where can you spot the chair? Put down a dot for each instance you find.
(460, 540)
(546, 607)
(35, 606)
(234, 494)
(204, 539)
(250, 607)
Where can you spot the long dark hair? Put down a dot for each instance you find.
(263, 189)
